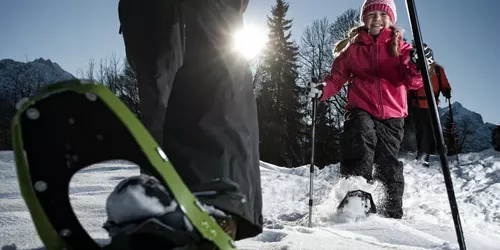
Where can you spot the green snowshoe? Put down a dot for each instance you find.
(71, 125)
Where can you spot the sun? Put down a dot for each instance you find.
(249, 41)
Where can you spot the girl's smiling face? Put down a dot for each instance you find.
(375, 21)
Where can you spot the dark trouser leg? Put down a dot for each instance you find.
(389, 170)
(424, 135)
(153, 36)
(357, 145)
(209, 128)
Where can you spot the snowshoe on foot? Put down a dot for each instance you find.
(140, 209)
(357, 202)
(71, 125)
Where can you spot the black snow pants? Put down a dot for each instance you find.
(425, 138)
(367, 141)
(196, 97)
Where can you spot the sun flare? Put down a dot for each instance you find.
(249, 41)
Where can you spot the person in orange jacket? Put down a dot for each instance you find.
(426, 144)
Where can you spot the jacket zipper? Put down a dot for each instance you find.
(381, 108)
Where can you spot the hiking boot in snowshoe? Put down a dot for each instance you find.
(392, 208)
(142, 212)
(392, 214)
(229, 226)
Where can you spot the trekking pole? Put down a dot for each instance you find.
(436, 124)
(314, 79)
(453, 131)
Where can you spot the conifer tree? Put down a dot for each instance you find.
(279, 103)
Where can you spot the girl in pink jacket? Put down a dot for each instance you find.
(375, 62)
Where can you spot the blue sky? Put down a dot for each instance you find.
(465, 36)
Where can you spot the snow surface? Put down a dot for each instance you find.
(427, 223)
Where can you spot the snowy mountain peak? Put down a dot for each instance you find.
(48, 63)
(37, 71)
(459, 111)
(41, 60)
(456, 105)
(470, 127)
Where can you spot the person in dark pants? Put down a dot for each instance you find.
(426, 144)
(375, 61)
(196, 99)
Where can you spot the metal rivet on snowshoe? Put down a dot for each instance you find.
(70, 159)
(33, 113)
(91, 97)
(162, 154)
(21, 102)
(200, 206)
(65, 233)
(40, 186)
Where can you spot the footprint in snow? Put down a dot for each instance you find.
(291, 216)
(304, 230)
(274, 226)
(270, 236)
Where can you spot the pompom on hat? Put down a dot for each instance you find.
(387, 6)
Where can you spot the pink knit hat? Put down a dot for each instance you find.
(387, 6)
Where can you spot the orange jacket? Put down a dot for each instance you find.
(419, 98)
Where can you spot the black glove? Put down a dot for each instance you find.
(446, 93)
(429, 55)
(315, 90)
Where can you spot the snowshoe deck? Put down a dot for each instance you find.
(69, 126)
(366, 201)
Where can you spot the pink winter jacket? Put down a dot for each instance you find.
(378, 80)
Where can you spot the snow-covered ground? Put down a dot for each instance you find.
(427, 223)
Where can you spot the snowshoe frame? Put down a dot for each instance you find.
(59, 131)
